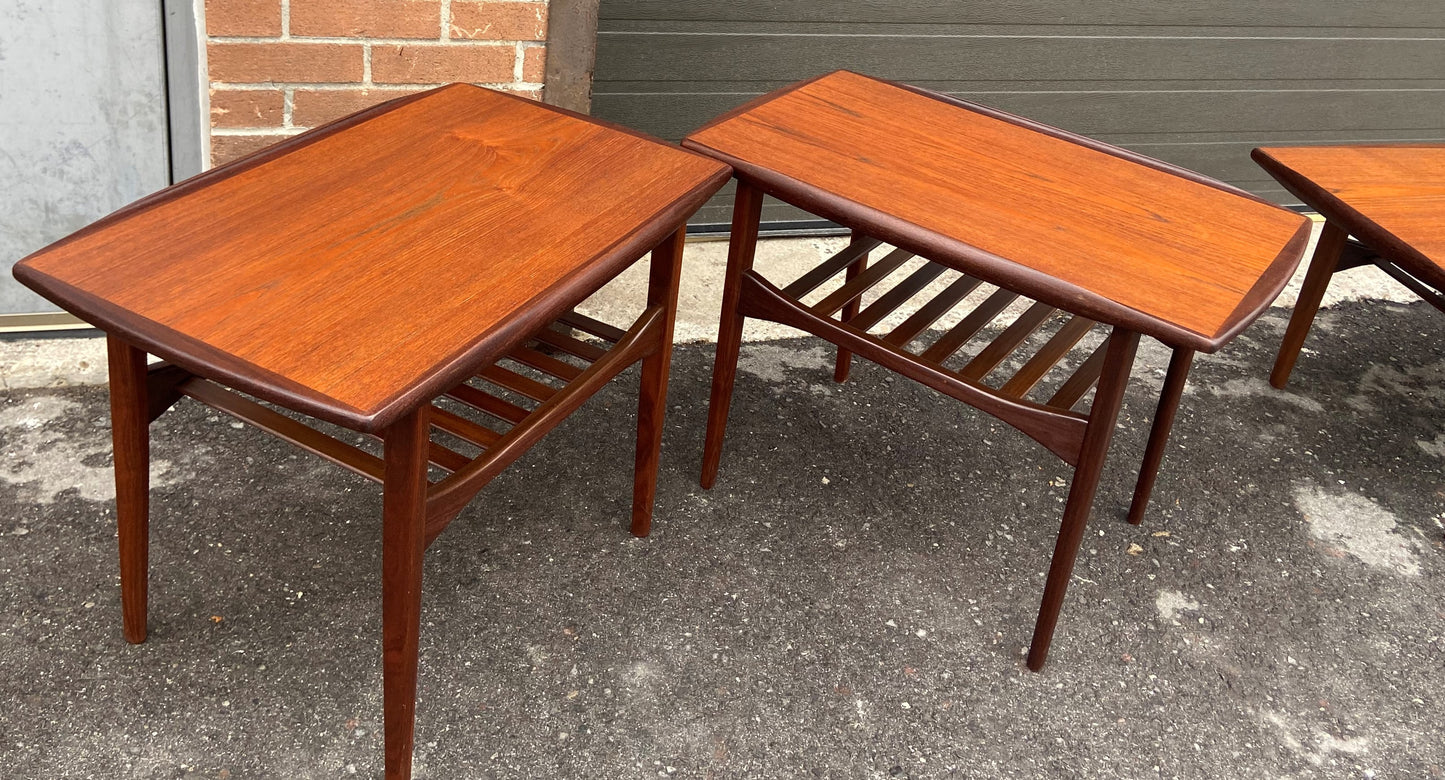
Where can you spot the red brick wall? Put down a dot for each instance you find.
(278, 67)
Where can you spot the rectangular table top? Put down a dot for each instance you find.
(1391, 196)
(362, 268)
(1081, 225)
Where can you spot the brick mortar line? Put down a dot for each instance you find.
(430, 42)
(285, 20)
(221, 132)
(445, 34)
(337, 86)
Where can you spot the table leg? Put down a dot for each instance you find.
(1118, 360)
(403, 540)
(1322, 266)
(845, 358)
(130, 435)
(747, 211)
(1179, 364)
(662, 285)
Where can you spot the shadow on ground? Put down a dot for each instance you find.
(851, 601)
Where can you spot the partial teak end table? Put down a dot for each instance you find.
(1389, 197)
(408, 273)
(1002, 209)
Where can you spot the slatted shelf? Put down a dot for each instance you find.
(1020, 353)
(467, 417)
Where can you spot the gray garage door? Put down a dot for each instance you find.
(83, 123)
(1195, 83)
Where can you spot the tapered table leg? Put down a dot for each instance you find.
(1118, 360)
(1322, 266)
(747, 211)
(844, 363)
(403, 540)
(1179, 364)
(665, 272)
(130, 435)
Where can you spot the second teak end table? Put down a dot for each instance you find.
(1002, 209)
(407, 273)
(1384, 205)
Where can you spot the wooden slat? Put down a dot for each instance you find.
(283, 427)
(830, 268)
(862, 282)
(485, 402)
(966, 328)
(595, 327)
(929, 312)
(545, 363)
(446, 458)
(572, 346)
(1000, 348)
(517, 383)
(899, 295)
(1052, 351)
(1083, 378)
(463, 428)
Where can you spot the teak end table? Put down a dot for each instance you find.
(408, 273)
(1091, 235)
(1389, 197)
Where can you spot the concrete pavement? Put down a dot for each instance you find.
(851, 601)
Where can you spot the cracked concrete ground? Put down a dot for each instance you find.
(851, 601)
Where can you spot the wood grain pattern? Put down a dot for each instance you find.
(742, 247)
(1169, 397)
(1061, 219)
(664, 277)
(364, 270)
(130, 435)
(403, 541)
(1392, 197)
(1119, 353)
(1323, 266)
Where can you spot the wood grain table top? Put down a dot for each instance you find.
(362, 268)
(1391, 196)
(1076, 223)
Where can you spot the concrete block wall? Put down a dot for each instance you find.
(278, 67)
